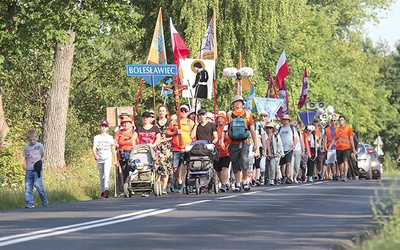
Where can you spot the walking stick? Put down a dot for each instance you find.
(115, 182)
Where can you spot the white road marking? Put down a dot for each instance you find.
(81, 226)
(192, 203)
(18, 238)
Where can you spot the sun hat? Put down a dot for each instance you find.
(271, 125)
(184, 107)
(238, 98)
(104, 123)
(126, 119)
(191, 111)
(222, 114)
(285, 117)
(311, 127)
(263, 112)
(124, 113)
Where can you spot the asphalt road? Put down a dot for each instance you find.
(320, 215)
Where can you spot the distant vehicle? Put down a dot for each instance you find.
(376, 166)
(364, 161)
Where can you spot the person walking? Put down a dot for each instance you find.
(331, 160)
(239, 124)
(33, 154)
(312, 151)
(289, 140)
(344, 146)
(273, 152)
(123, 138)
(222, 166)
(165, 149)
(181, 137)
(104, 154)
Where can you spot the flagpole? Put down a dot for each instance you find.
(154, 93)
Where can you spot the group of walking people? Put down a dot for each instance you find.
(251, 150)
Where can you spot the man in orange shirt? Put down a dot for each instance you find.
(180, 139)
(344, 142)
(239, 149)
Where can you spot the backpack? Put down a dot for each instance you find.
(238, 130)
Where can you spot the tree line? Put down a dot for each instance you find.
(63, 62)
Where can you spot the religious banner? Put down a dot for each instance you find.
(198, 75)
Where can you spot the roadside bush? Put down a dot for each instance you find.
(77, 137)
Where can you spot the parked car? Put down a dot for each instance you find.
(364, 161)
(376, 166)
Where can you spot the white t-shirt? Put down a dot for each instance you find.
(287, 137)
(103, 145)
(32, 154)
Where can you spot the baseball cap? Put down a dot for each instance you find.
(184, 107)
(201, 111)
(146, 114)
(104, 123)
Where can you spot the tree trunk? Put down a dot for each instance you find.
(55, 119)
(4, 129)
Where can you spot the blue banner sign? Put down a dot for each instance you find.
(151, 73)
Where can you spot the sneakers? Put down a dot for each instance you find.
(222, 188)
(271, 182)
(236, 189)
(106, 194)
(246, 187)
(180, 188)
(29, 206)
(45, 203)
(284, 180)
(310, 179)
(144, 194)
(102, 195)
(258, 183)
(164, 191)
(344, 178)
(288, 181)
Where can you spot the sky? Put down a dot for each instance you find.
(388, 28)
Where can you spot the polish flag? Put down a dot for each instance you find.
(282, 70)
(179, 47)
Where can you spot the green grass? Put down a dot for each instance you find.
(77, 182)
(386, 209)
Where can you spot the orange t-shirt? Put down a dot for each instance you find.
(123, 139)
(343, 136)
(186, 128)
(223, 152)
(248, 119)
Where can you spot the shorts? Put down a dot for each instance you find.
(239, 154)
(343, 155)
(287, 158)
(222, 163)
(177, 159)
(331, 157)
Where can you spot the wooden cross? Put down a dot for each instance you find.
(176, 89)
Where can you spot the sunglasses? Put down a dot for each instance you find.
(263, 115)
(184, 110)
(333, 120)
(269, 128)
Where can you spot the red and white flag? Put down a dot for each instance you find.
(179, 47)
(282, 70)
(303, 91)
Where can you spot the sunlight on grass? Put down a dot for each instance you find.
(77, 182)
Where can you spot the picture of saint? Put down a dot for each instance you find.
(200, 84)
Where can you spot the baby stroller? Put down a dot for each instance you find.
(143, 170)
(200, 172)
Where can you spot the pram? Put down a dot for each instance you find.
(143, 170)
(200, 172)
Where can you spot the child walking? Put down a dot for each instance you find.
(104, 153)
(33, 165)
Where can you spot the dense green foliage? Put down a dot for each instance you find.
(345, 70)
